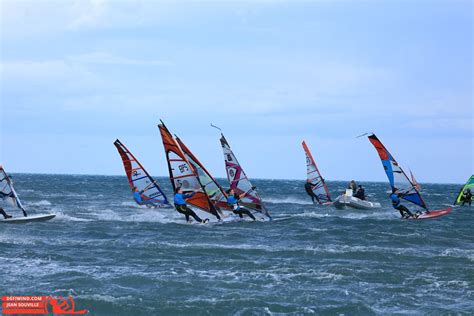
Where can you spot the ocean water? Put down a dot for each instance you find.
(118, 259)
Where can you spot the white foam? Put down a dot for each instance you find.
(40, 203)
(65, 217)
(138, 215)
(458, 253)
(288, 200)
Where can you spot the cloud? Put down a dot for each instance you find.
(87, 13)
(54, 77)
(107, 58)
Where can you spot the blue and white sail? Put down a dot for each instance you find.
(7, 191)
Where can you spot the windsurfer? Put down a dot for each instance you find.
(467, 197)
(5, 215)
(233, 201)
(180, 205)
(308, 186)
(395, 197)
(137, 196)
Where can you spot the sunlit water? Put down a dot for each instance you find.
(118, 259)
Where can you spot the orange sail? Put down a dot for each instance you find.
(183, 174)
(213, 189)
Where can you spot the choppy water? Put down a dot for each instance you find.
(117, 259)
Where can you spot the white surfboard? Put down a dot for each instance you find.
(30, 218)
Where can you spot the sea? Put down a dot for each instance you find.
(115, 258)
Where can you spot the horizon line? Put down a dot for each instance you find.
(166, 176)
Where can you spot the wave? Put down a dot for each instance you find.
(65, 217)
(138, 215)
(287, 200)
(40, 203)
(346, 214)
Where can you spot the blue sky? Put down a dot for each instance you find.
(75, 75)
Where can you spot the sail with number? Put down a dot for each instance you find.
(239, 182)
(314, 177)
(139, 178)
(213, 189)
(8, 193)
(469, 185)
(183, 174)
(396, 176)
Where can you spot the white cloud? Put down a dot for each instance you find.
(53, 77)
(107, 58)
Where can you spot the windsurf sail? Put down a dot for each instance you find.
(314, 176)
(239, 182)
(139, 178)
(396, 176)
(469, 185)
(8, 193)
(183, 174)
(213, 189)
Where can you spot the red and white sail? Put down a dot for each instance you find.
(139, 178)
(314, 177)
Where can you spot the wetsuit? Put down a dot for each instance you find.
(233, 201)
(404, 212)
(5, 215)
(467, 198)
(308, 186)
(138, 197)
(181, 207)
(360, 194)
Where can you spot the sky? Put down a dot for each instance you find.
(76, 75)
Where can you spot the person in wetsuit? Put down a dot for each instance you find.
(5, 215)
(395, 197)
(233, 201)
(360, 194)
(180, 204)
(137, 196)
(308, 186)
(467, 197)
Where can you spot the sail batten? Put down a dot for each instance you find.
(314, 177)
(396, 176)
(139, 178)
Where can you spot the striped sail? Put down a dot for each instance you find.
(139, 178)
(7, 191)
(239, 182)
(314, 177)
